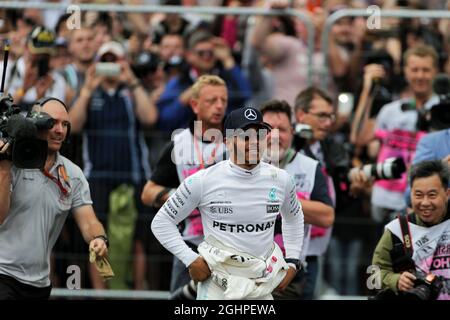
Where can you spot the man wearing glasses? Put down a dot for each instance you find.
(239, 200)
(205, 55)
(315, 108)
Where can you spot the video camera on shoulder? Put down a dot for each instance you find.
(27, 150)
(21, 132)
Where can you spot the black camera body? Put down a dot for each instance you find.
(426, 287)
(27, 150)
(438, 117)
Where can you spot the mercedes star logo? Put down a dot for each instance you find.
(250, 114)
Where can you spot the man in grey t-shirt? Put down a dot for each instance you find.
(35, 204)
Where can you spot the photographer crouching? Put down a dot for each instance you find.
(413, 253)
(36, 199)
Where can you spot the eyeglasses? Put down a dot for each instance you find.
(205, 53)
(323, 116)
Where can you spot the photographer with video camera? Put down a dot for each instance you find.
(413, 251)
(35, 202)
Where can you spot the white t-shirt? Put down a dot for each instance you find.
(238, 207)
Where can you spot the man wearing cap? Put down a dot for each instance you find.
(110, 110)
(32, 77)
(239, 200)
(190, 150)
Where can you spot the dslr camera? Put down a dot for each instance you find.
(27, 150)
(391, 168)
(426, 287)
(438, 117)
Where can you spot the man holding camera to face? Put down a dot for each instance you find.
(395, 131)
(413, 252)
(34, 206)
(32, 77)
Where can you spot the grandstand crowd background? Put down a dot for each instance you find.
(167, 52)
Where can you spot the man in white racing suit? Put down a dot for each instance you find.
(239, 200)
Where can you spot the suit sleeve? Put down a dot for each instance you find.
(292, 224)
(176, 209)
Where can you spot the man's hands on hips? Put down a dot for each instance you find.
(287, 279)
(199, 270)
(406, 281)
(99, 247)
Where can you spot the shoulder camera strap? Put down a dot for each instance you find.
(406, 234)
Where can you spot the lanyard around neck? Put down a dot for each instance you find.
(60, 171)
(200, 154)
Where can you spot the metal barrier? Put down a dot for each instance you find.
(109, 294)
(404, 13)
(177, 9)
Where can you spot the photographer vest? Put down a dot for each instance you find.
(303, 170)
(320, 237)
(431, 249)
(191, 155)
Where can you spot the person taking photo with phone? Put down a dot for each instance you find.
(111, 108)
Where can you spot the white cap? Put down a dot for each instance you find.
(113, 47)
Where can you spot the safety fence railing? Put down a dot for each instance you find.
(178, 10)
(370, 12)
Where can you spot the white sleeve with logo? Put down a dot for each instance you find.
(176, 209)
(292, 227)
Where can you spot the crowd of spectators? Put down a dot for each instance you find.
(122, 118)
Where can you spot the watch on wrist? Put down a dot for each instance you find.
(294, 262)
(104, 238)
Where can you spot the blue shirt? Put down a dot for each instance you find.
(174, 115)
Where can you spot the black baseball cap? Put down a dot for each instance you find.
(242, 118)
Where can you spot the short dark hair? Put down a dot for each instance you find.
(277, 106)
(305, 97)
(429, 168)
(197, 37)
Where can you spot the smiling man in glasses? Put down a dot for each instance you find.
(315, 108)
(239, 200)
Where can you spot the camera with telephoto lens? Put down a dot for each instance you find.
(426, 287)
(21, 132)
(391, 168)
